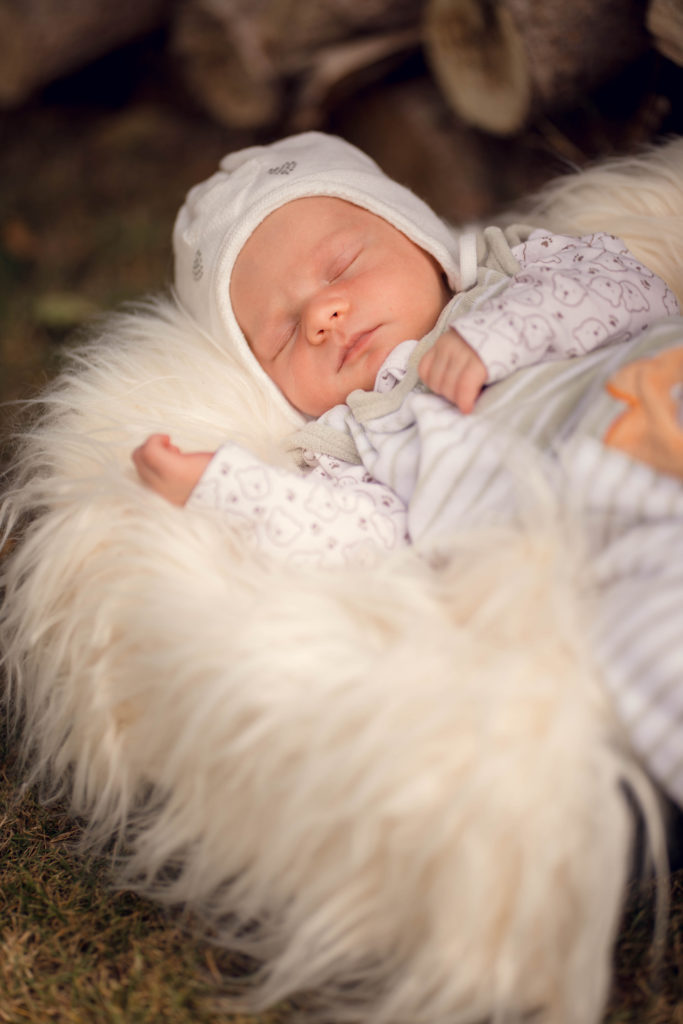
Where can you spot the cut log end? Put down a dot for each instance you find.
(502, 62)
(480, 63)
(226, 67)
(665, 23)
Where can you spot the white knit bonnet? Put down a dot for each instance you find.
(220, 214)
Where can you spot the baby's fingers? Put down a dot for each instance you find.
(456, 374)
(439, 369)
(152, 457)
(469, 385)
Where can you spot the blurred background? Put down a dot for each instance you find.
(109, 112)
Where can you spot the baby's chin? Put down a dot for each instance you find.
(373, 363)
(319, 406)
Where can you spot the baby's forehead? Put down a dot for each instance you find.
(323, 211)
(305, 225)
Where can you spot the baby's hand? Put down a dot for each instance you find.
(453, 370)
(168, 471)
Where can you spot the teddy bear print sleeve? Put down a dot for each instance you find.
(571, 295)
(332, 516)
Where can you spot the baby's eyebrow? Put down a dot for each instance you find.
(273, 331)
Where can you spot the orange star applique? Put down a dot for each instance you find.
(651, 428)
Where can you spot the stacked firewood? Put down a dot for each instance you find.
(41, 40)
(256, 63)
(498, 62)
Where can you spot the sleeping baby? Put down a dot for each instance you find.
(326, 274)
(435, 372)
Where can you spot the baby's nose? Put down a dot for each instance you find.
(324, 317)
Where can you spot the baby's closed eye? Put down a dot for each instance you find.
(343, 262)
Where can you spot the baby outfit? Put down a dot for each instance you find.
(401, 465)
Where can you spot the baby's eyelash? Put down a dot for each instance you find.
(286, 337)
(342, 265)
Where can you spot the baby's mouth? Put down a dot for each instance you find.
(356, 346)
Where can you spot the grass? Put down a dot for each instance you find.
(645, 992)
(74, 951)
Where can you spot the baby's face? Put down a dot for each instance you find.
(323, 291)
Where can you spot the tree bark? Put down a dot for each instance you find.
(43, 39)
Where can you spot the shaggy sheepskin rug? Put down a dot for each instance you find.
(402, 786)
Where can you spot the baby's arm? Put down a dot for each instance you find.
(331, 516)
(572, 295)
(453, 370)
(168, 471)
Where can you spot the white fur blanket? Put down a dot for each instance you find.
(402, 787)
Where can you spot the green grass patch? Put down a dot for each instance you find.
(74, 951)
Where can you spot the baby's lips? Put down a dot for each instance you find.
(352, 342)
